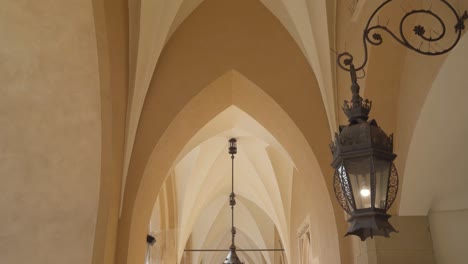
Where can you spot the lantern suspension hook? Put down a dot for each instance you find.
(372, 36)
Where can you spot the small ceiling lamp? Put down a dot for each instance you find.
(232, 257)
(365, 179)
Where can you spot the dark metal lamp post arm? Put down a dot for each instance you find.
(371, 35)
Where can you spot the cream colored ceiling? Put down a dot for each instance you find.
(153, 22)
(263, 183)
(51, 136)
(233, 88)
(436, 171)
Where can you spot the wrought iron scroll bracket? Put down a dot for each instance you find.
(372, 35)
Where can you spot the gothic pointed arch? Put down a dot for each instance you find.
(248, 39)
(233, 88)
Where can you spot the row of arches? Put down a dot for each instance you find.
(183, 96)
(245, 95)
(101, 104)
(248, 62)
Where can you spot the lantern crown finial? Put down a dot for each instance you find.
(358, 109)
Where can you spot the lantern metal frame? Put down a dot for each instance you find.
(363, 138)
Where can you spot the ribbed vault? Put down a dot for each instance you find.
(203, 176)
(153, 23)
(85, 98)
(200, 172)
(198, 53)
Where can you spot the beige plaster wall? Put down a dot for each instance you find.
(162, 226)
(439, 143)
(411, 245)
(303, 213)
(450, 236)
(51, 132)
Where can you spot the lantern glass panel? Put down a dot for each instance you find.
(382, 172)
(358, 170)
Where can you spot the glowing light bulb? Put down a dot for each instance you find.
(365, 192)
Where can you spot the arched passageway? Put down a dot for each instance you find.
(198, 53)
(309, 194)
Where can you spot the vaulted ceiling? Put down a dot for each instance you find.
(436, 167)
(152, 22)
(263, 184)
(265, 175)
(74, 83)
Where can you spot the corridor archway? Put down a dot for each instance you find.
(309, 191)
(199, 52)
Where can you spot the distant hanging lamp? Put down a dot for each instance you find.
(365, 179)
(232, 257)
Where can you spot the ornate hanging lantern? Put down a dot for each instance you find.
(365, 179)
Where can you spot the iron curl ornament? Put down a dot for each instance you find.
(372, 34)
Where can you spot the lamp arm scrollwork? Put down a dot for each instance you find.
(371, 35)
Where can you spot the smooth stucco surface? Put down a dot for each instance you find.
(450, 236)
(436, 166)
(50, 134)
